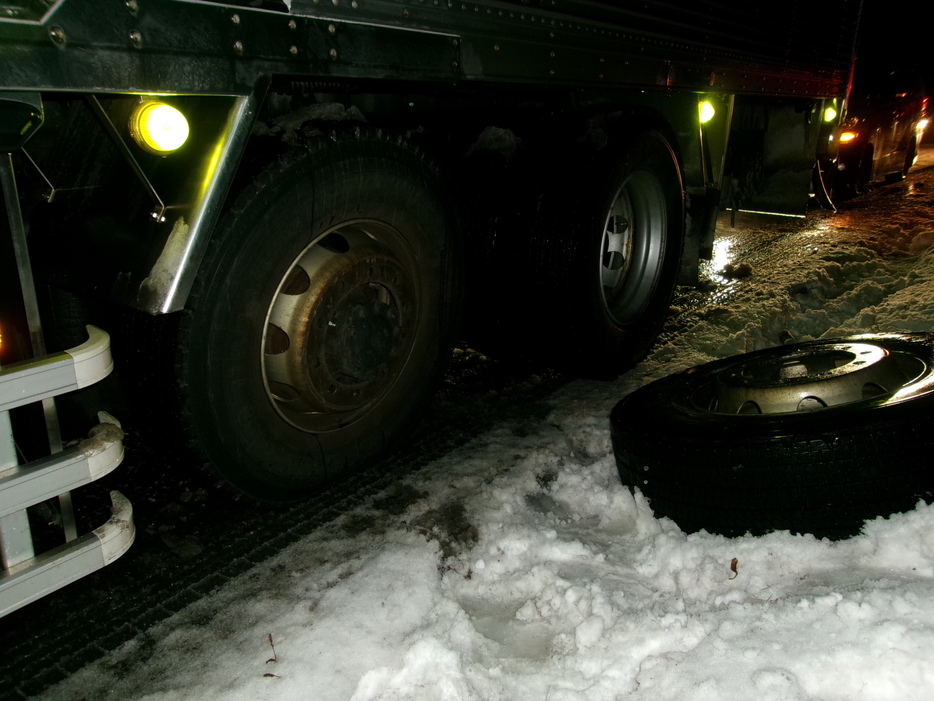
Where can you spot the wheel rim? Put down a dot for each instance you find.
(341, 326)
(808, 379)
(633, 246)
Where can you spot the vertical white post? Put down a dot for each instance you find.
(15, 536)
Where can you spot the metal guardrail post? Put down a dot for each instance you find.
(15, 536)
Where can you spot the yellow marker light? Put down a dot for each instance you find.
(830, 114)
(158, 128)
(847, 136)
(705, 112)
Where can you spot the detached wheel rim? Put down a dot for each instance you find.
(808, 380)
(341, 326)
(633, 246)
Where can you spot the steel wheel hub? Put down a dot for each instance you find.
(341, 327)
(808, 380)
(633, 246)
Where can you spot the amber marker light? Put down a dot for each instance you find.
(158, 128)
(705, 112)
(846, 136)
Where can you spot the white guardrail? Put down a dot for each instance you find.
(27, 576)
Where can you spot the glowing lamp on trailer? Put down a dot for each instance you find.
(846, 136)
(158, 128)
(830, 114)
(705, 111)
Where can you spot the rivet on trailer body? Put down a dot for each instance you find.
(133, 7)
(57, 34)
(293, 50)
(332, 29)
(332, 53)
(238, 47)
(136, 38)
(235, 18)
(293, 24)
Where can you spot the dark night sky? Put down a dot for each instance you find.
(893, 33)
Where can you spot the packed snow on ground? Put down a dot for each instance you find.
(518, 567)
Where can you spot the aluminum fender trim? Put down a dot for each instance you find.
(165, 288)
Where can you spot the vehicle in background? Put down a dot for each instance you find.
(885, 119)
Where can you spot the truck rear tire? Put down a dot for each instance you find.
(606, 253)
(321, 317)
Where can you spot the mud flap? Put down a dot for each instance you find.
(771, 157)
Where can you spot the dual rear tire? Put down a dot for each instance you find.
(605, 256)
(323, 313)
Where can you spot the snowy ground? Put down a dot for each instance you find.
(519, 568)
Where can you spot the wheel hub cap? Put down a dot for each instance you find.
(808, 380)
(340, 328)
(633, 247)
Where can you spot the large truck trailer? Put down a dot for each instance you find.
(315, 196)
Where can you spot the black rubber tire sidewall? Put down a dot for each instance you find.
(227, 408)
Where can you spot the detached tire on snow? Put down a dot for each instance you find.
(320, 319)
(814, 437)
